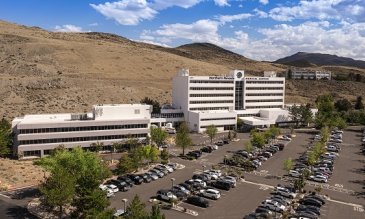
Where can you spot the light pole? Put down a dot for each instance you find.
(172, 182)
(124, 200)
(204, 167)
(225, 158)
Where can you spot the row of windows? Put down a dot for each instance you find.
(211, 82)
(208, 108)
(211, 101)
(248, 115)
(263, 107)
(226, 127)
(264, 82)
(263, 94)
(77, 139)
(211, 88)
(211, 95)
(227, 118)
(77, 129)
(264, 88)
(260, 101)
(167, 115)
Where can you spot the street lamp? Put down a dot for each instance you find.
(225, 158)
(124, 200)
(172, 182)
(204, 167)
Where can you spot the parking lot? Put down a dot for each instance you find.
(348, 175)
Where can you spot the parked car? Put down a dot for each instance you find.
(146, 178)
(198, 201)
(136, 179)
(207, 149)
(166, 195)
(220, 184)
(273, 205)
(182, 189)
(318, 178)
(219, 143)
(157, 172)
(226, 141)
(211, 193)
(230, 179)
(309, 208)
(162, 169)
(179, 194)
(112, 188)
(294, 173)
(120, 184)
(172, 165)
(285, 192)
(169, 169)
(127, 180)
(263, 210)
(153, 175)
(310, 201)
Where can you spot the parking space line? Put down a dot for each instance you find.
(258, 184)
(5, 196)
(346, 203)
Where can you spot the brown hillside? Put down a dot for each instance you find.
(42, 71)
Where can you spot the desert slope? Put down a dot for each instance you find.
(46, 72)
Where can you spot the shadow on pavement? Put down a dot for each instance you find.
(25, 193)
(19, 212)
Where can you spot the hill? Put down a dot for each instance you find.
(47, 72)
(302, 59)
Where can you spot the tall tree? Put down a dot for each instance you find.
(258, 140)
(288, 164)
(150, 153)
(306, 114)
(211, 131)
(183, 139)
(5, 137)
(294, 114)
(343, 105)
(88, 171)
(58, 190)
(158, 136)
(359, 105)
(125, 164)
(136, 209)
(156, 213)
(248, 146)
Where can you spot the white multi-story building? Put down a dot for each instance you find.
(199, 100)
(207, 100)
(38, 135)
(309, 74)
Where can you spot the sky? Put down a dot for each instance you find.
(258, 29)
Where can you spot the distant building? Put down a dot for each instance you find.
(309, 74)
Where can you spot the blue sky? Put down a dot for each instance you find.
(257, 29)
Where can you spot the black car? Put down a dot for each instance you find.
(201, 176)
(136, 179)
(306, 215)
(126, 179)
(161, 169)
(122, 185)
(226, 141)
(318, 198)
(187, 186)
(207, 149)
(219, 184)
(198, 201)
(309, 208)
(263, 210)
(194, 154)
(179, 194)
(311, 201)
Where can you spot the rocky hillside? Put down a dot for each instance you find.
(47, 72)
(303, 59)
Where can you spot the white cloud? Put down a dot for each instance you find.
(264, 2)
(322, 10)
(222, 3)
(162, 4)
(260, 14)
(68, 28)
(132, 12)
(240, 6)
(126, 12)
(229, 18)
(95, 24)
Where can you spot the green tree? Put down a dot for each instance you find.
(114, 147)
(156, 213)
(359, 105)
(275, 131)
(136, 154)
(312, 158)
(150, 153)
(155, 104)
(58, 190)
(164, 156)
(294, 114)
(248, 146)
(343, 105)
(96, 147)
(183, 139)
(258, 140)
(325, 134)
(239, 123)
(136, 209)
(288, 164)
(125, 164)
(299, 183)
(88, 171)
(211, 131)
(5, 137)
(306, 114)
(158, 136)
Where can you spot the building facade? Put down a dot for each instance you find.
(38, 135)
(207, 100)
(308, 74)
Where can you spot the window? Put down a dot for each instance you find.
(211, 88)
(211, 95)
(211, 82)
(263, 94)
(208, 108)
(261, 101)
(264, 88)
(210, 101)
(212, 119)
(263, 107)
(264, 82)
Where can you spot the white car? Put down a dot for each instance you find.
(319, 178)
(217, 172)
(294, 173)
(109, 193)
(211, 193)
(285, 192)
(166, 195)
(215, 147)
(331, 154)
(103, 187)
(201, 182)
(113, 188)
(273, 205)
(212, 175)
(262, 158)
(168, 168)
